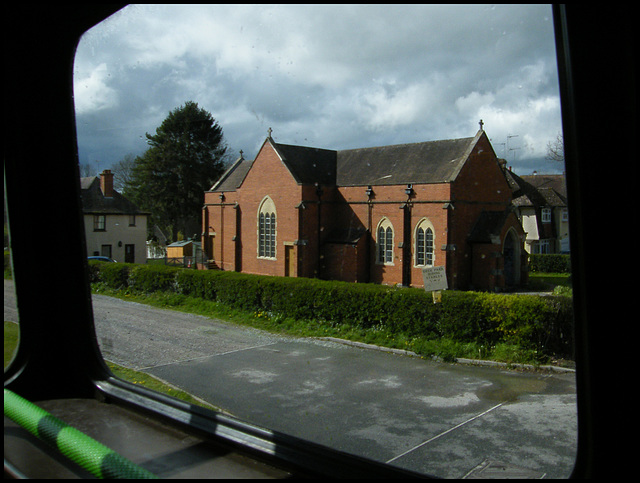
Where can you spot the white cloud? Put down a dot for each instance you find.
(519, 106)
(386, 105)
(333, 76)
(474, 102)
(92, 92)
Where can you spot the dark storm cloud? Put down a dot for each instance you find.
(328, 76)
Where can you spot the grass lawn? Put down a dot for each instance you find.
(11, 335)
(549, 280)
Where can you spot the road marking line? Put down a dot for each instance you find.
(446, 432)
(205, 356)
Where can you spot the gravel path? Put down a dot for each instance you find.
(143, 337)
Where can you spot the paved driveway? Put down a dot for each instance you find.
(448, 420)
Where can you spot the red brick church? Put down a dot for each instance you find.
(377, 215)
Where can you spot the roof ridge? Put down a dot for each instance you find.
(409, 144)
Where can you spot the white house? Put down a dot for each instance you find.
(541, 204)
(114, 226)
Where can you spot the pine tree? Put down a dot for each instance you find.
(186, 156)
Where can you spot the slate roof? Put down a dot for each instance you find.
(309, 165)
(537, 190)
(556, 182)
(306, 165)
(418, 163)
(234, 176)
(93, 201)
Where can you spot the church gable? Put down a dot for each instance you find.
(481, 177)
(268, 172)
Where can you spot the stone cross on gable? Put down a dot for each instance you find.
(269, 131)
(481, 124)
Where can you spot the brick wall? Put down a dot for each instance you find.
(428, 201)
(305, 221)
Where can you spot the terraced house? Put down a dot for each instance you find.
(377, 215)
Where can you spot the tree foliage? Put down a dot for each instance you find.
(186, 156)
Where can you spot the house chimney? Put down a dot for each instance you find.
(106, 183)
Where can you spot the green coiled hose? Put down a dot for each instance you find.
(99, 460)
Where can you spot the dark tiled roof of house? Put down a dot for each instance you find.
(419, 163)
(538, 190)
(234, 176)
(309, 165)
(552, 197)
(93, 201)
(557, 182)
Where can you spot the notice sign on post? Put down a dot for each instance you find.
(435, 280)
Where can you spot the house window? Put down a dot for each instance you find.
(424, 244)
(132, 220)
(267, 229)
(542, 247)
(105, 251)
(99, 222)
(546, 215)
(385, 242)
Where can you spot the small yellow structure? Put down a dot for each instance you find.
(180, 249)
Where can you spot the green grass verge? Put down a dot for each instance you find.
(155, 384)
(445, 349)
(549, 281)
(11, 339)
(11, 336)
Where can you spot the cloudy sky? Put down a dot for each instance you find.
(327, 76)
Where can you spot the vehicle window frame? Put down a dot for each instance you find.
(80, 371)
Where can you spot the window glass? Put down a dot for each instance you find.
(99, 222)
(385, 242)
(424, 243)
(402, 146)
(267, 229)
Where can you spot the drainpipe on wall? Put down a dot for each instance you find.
(222, 231)
(450, 248)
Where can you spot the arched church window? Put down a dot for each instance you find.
(385, 242)
(267, 229)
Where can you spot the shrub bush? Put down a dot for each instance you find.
(534, 323)
(550, 263)
(113, 275)
(151, 278)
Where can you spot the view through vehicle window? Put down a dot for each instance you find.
(344, 223)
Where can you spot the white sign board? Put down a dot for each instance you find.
(434, 278)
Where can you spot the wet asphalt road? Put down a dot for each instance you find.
(447, 420)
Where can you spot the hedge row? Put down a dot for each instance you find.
(550, 263)
(538, 323)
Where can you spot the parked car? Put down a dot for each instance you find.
(102, 259)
